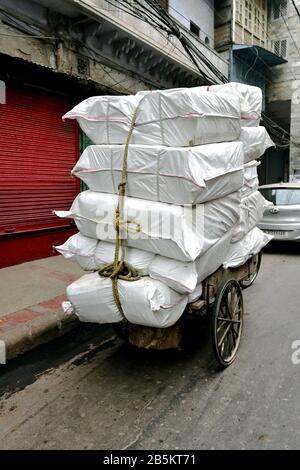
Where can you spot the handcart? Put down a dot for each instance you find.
(221, 303)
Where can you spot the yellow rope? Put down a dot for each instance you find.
(119, 269)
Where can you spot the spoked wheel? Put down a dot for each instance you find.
(244, 283)
(227, 322)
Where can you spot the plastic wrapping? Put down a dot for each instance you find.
(251, 212)
(256, 141)
(178, 232)
(250, 245)
(251, 182)
(181, 276)
(92, 255)
(250, 98)
(177, 117)
(185, 175)
(184, 277)
(145, 302)
(190, 209)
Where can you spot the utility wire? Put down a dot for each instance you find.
(296, 8)
(289, 31)
(150, 11)
(185, 40)
(155, 15)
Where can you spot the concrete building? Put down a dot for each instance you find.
(53, 53)
(196, 16)
(261, 41)
(283, 90)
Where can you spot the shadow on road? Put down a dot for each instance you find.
(283, 248)
(87, 343)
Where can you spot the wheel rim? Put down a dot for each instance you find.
(229, 322)
(251, 279)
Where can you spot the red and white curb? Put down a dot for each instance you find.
(31, 326)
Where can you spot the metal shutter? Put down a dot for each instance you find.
(37, 152)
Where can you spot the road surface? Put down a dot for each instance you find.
(90, 391)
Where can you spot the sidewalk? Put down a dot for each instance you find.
(30, 307)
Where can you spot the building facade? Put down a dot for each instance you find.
(54, 53)
(261, 41)
(283, 88)
(198, 17)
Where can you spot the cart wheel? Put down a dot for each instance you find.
(227, 322)
(244, 283)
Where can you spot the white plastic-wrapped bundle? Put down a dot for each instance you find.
(181, 276)
(184, 277)
(250, 98)
(251, 212)
(178, 232)
(145, 302)
(256, 141)
(251, 182)
(92, 254)
(80, 249)
(250, 245)
(177, 175)
(177, 117)
(195, 295)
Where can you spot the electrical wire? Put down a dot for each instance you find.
(152, 13)
(27, 36)
(159, 27)
(281, 137)
(289, 31)
(187, 44)
(296, 8)
(253, 65)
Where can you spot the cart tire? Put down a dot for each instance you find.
(245, 283)
(227, 322)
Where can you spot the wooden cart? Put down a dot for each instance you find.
(221, 302)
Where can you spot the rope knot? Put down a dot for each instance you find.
(121, 188)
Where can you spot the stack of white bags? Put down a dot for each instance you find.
(192, 203)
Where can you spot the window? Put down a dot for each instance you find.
(194, 29)
(280, 47)
(282, 196)
(83, 65)
(279, 8)
(239, 11)
(246, 14)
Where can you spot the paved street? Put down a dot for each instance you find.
(89, 390)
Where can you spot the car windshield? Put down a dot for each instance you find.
(282, 196)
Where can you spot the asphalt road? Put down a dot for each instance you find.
(88, 390)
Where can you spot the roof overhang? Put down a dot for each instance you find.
(265, 58)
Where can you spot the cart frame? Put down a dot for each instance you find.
(221, 301)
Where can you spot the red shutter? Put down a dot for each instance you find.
(37, 152)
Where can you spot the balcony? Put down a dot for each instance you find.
(139, 47)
